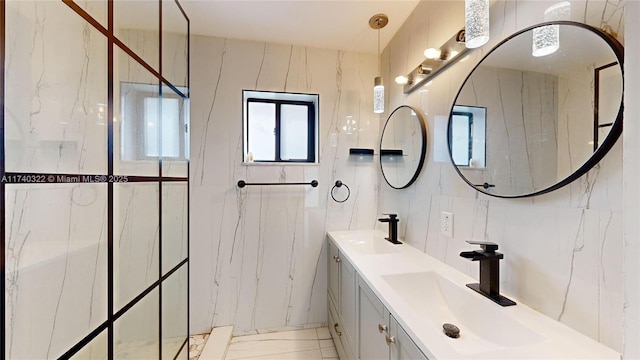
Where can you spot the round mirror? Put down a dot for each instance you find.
(403, 147)
(539, 110)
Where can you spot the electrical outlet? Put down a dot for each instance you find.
(446, 224)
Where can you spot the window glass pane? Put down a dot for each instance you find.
(170, 127)
(262, 124)
(294, 122)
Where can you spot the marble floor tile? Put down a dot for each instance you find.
(309, 344)
(306, 334)
(323, 333)
(296, 355)
(329, 353)
(325, 344)
(251, 348)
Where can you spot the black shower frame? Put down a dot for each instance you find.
(110, 178)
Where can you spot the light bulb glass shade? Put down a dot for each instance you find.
(476, 23)
(402, 80)
(546, 40)
(432, 53)
(378, 96)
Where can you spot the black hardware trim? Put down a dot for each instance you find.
(360, 151)
(337, 185)
(242, 183)
(485, 185)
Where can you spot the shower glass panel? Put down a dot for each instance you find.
(136, 240)
(175, 209)
(137, 25)
(136, 332)
(55, 116)
(175, 134)
(174, 312)
(175, 41)
(134, 126)
(56, 256)
(94, 150)
(97, 9)
(95, 350)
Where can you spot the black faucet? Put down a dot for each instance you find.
(393, 227)
(489, 258)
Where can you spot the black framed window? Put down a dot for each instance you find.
(280, 127)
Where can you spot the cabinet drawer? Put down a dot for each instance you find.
(337, 333)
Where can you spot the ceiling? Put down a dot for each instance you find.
(329, 24)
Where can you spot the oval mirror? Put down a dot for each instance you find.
(403, 147)
(524, 125)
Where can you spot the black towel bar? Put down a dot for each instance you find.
(242, 183)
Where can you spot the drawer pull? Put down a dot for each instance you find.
(335, 327)
(390, 339)
(382, 328)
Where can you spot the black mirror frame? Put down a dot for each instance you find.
(610, 140)
(423, 151)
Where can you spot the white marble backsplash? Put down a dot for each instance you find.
(257, 254)
(563, 250)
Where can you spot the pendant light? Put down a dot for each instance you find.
(377, 22)
(546, 39)
(476, 23)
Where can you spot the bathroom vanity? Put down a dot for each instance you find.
(390, 301)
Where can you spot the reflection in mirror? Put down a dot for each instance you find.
(549, 119)
(467, 136)
(403, 147)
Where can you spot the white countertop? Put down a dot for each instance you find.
(377, 261)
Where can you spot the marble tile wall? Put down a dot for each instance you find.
(631, 138)
(257, 254)
(563, 250)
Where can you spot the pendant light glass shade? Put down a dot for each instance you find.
(377, 22)
(378, 95)
(546, 39)
(476, 23)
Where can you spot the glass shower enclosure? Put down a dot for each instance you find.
(94, 179)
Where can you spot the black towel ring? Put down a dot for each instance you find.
(340, 184)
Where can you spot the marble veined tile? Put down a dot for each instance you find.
(323, 334)
(294, 355)
(252, 348)
(307, 334)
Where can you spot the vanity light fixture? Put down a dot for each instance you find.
(437, 59)
(377, 22)
(476, 22)
(432, 53)
(402, 80)
(546, 39)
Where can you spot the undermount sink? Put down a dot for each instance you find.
(484, 326)
(371, 245)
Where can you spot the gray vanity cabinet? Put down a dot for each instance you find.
(402, 347)
(380, 337)
(342, 302)
(373, 322)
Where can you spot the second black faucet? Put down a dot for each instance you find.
(393, 227)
